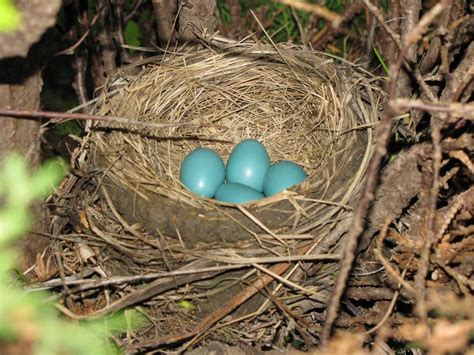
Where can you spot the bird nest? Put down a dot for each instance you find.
(142, 224)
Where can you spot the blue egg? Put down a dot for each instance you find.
(237, 193)
(281, 176)
(202, 171)
(248, 163)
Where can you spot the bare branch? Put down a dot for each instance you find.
(333, 17)
(378, 15)
(70, 50)
(132, 13)
(360, 212)
(61, 117)
(455, 109)
(104, 38)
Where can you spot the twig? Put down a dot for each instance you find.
(385, 263)
(461, 77)
(447, 214)
(86, 284)
(270, 259)
(464, 158)
(301, 325)
(72, 49)
(378, 15)
(132, 13)
(224, 310)
(454, 108)
(420, 28)
(62, 116)
(391, 305)
(300, 26)
(382, 134)
(429, 240)
(79, 84)
(157, 287)
(289, 283)
(348, 256)
(328, 32)
(334, 17)
(260, 224)
(104, 37)
(118, 32)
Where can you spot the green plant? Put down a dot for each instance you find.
(9, 16)
(28, 320)
(381, 61)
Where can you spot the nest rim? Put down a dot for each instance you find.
(357, 110)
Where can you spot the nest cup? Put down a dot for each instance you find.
(310, 108)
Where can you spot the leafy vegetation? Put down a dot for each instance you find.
(27, 320)
(10, 17)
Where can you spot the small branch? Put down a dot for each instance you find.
(104, 38)
(218, 314)
(455, 109)
(360, 212)
(335, 18)
(388, 268)
(348, 256)
(424, 261)
(118, 33)
(378, 15)
(86, 284)
(330, 31)
(71, 50)
(61, 117)
(79, 84)
(132, 13)
(420, 28)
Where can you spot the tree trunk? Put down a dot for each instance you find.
(197, 16)
(20, 88)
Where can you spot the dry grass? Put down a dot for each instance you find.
(141, 226)
(303, 106)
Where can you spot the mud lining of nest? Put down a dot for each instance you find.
(131, 221)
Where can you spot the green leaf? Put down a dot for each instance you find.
(15, 177)
(186, 305)
(51, 333)
(382, 62)
(224, 12)
(13, 223)
(46, 177)
(132, 34)
(10, 17)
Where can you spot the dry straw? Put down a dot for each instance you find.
(307, 107)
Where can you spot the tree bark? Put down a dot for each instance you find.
(196, 15)
(20, 88)
(165, 13)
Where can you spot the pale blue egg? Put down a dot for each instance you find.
(202, 171)
(281, 176)
(237, 193)
(248, 163)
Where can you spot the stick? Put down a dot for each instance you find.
(383, 135)
(62, 116)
